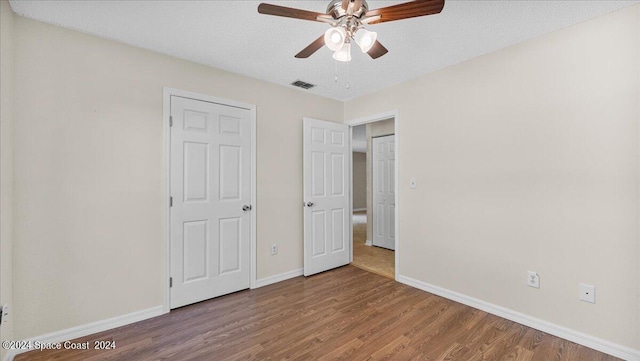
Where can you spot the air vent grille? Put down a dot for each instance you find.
(302, 84)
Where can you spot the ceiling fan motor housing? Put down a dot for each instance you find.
(335, 9)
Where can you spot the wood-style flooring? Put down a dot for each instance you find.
(373, 259)
(343, 314)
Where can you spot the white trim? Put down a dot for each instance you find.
(166, 153)
(278, 278)
(166, 106)
(373, 118)
(254, 196)
(368, 243)
(90, 328)
(351, 195)
(359, 209)
(595, 343)
(395, 115)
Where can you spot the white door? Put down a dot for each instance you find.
(384, 198)
(210, 185)
(327, 213)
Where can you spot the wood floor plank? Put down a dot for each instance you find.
(518, 354)
(343, 314)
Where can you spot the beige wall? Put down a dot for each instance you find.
(89, 169)
(528, 159)
(359, 180)
(376, 129)
(6, 167)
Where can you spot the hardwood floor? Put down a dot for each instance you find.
(343, 314)
(373, 259)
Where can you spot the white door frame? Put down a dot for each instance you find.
(166, 138)
(395, 114)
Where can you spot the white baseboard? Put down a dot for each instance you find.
(90, 328)
(368, 243)
(623, 352)
(359, 209)
(278, 278)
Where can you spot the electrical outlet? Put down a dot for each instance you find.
(533, 279)
(274, 249)
(587, 293)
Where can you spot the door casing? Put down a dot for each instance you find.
(166, 256)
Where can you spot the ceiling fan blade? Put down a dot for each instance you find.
(311, 48)
(377, 50)
(407, 10)
(286, 12)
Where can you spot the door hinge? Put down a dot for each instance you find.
(170, 282)
(171, 120)
(170, 201)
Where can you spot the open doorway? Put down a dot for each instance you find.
(373, 196)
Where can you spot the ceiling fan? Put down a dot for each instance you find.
(347, 19)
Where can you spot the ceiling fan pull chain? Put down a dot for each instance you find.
(348, 85)
(336, 70)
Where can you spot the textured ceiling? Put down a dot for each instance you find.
(231, 35)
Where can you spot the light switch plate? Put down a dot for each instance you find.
(413, 184)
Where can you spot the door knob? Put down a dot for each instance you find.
(309, 204)
(246, 208)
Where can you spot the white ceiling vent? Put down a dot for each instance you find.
(302, 84)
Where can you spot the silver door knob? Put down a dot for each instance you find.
(309, 204)
(246, 208)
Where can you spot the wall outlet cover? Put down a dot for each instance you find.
(587, 293)
(533, 279)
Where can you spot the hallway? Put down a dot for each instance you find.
(369, 258)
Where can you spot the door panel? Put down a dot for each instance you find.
(318, 174)
(383, 149)
(196, 171)
(337, 219)
(326, 195)
(318, 227)
(210, 182)
(337, 174)
(230, 166)
(195, 250)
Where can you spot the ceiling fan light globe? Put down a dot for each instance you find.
(365, 39)
(334, 38)
(344, 53)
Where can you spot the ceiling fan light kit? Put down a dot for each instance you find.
(347, 18)
(335, 37)
(338, 40)
(344, 53)
(365, 39)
